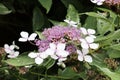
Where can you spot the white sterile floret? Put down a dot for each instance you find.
(13, 54)
(10, 50)
(98, 2)
(61, 64)
(89, 32)
(39, 57)
(25, 36)
(88, 43)
(71, 23)
(82, 56)
(57, 51)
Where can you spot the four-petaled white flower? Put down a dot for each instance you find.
(10, 50)
(57, 51)
(25, 36)
(71, 23)
(88, 43)
(39, 57)
(89, 32)
(82, 56)
(98, 2)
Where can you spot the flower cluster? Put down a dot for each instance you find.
(10, 50)
(98, 2)
(59, 43)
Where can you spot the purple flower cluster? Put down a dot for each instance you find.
(71, 48)
(42, 45)
(58, 33)
(112, 2)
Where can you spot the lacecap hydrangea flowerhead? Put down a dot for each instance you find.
(60, 42)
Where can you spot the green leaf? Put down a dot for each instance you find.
(113, 53)
(104, 26)
(4, 10)
(46, 4)
(40, 35)
(99, 64)
(68, 72)
(22, 60)
(48, 63)
(38, 19)
(90, 22)
(72, 14)
(116, 47)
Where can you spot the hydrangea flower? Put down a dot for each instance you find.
(88, 32)
(57, 51)
(98, 2)
(25, 36)
(82, 55)
(10, 50)
(59, 34)
(42, 45)
(39, 57)
(88, 43)
(71, 23)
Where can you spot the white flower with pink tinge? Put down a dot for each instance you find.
(57, 52)
(71, 23)
(98, 2)
(82, 55)
(26, 37)
(39, 57)
(10, 50)
(88, 43)
(88, 32)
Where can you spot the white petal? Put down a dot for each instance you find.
(62, 59)
(60, 46)
(54, 57)
(92, 36)
(12, 47)
(84, 31)
(85, 51)
(7, 48)
(61, 64)
(38, 60)
(52, 46)
(50, 51)
(32, 36)
(62, 53)
(24, 34)
(13, 54)
(89, 39)
(99, 3)
(32, 55)
(79, 52)
(84, 45)
(43, 55)
(73, 22)
(94, 46)
(91, 31)
(82, 40)
(88, 58)
(22, 39)
(16, 53)
(80, 57)
(68, 21)
(93, 1)
(74, 25)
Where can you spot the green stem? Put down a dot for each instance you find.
(60, 77)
